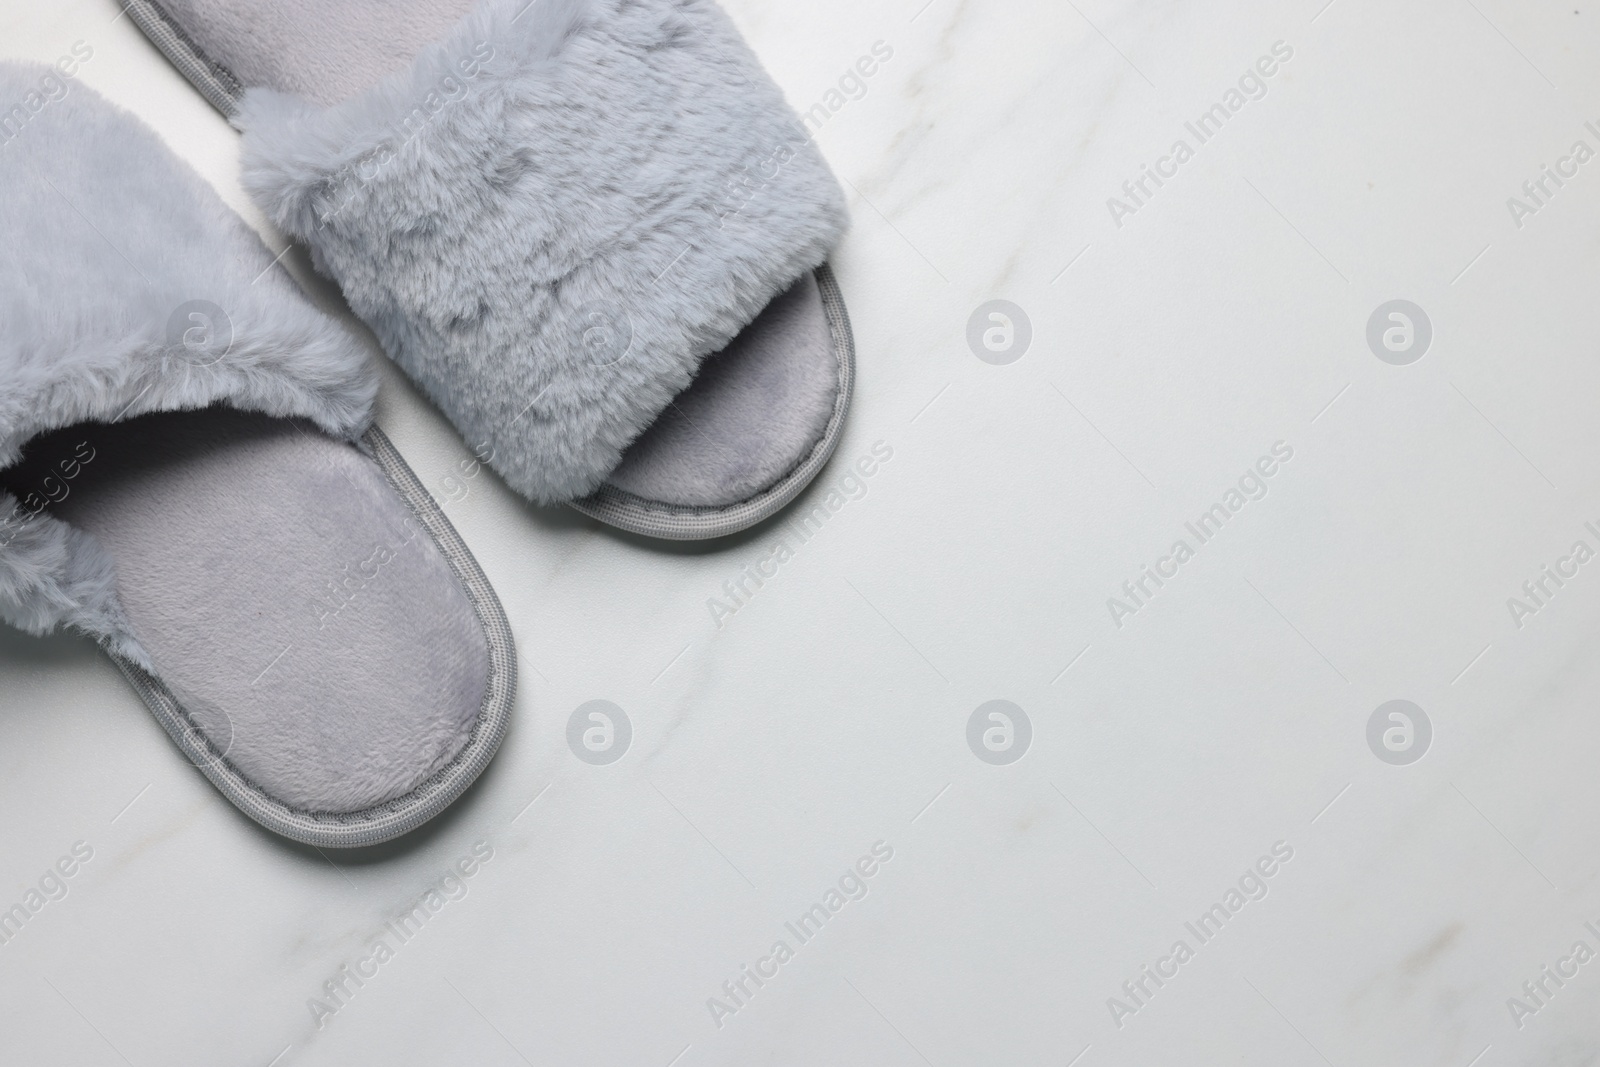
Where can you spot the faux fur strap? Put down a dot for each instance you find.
(553, 216)
(127, 287)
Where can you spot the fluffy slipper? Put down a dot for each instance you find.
(189, 474)
(553, 213)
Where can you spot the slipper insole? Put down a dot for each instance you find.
(756, 409)
(302, 617)
(749, 417)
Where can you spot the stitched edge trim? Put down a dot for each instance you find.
(405, 813)
(215, 82)
(651, 518)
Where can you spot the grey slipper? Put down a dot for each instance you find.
(591, 230)
(189, 474)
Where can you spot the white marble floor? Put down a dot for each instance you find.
(1197, 832)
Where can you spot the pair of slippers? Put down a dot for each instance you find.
(591, 231)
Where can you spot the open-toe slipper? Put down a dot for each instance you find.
(189, 474)
(591, 230)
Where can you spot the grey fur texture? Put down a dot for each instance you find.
(554, 216)
(108, 237)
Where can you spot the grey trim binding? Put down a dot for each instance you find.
(608, 504)
(670, 522)
(215, 82)
(405, 813)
